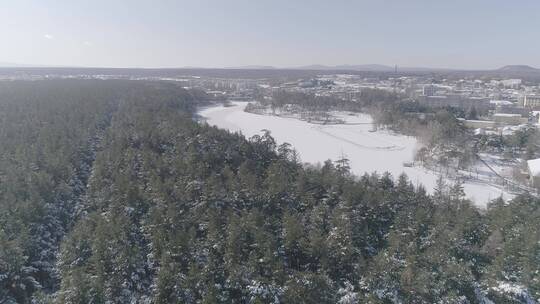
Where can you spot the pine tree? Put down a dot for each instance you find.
(456, 191)
(440, 191)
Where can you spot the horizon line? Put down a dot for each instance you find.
(339, 67)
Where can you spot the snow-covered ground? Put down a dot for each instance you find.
(380, 151)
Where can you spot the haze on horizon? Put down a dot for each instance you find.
(464, 34)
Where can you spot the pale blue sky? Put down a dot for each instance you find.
(473, 34)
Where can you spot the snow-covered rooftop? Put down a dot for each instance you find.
(501, 102)
(534, 166)
(506, 115)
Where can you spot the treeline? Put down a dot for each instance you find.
(171, 211)
(366, 98)
(445, 139)
(522, 143)
(306, 101)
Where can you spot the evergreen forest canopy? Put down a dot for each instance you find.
(110, 192)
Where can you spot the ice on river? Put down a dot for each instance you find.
(376, 151)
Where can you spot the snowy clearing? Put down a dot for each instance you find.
(368, 150)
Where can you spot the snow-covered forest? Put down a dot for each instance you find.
(110, 192)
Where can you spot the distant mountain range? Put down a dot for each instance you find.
(357, 67)
(252, 67)
(506, 71)
(343, 67)
(519, 69)
(380, 68)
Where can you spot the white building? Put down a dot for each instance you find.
(533, 166)
(511, 83)
(429, 90)
(509, 119)
(530, 101)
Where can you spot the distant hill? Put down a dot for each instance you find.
(342, 67)
(368, 68)
(519, 69)
(252, 67)
(358, 67)
(514, 69)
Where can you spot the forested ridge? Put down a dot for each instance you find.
(110, 192)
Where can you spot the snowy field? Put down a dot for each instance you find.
(380, 151)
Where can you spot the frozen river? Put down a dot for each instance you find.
(380, 151)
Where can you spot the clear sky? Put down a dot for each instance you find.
(472, 34)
